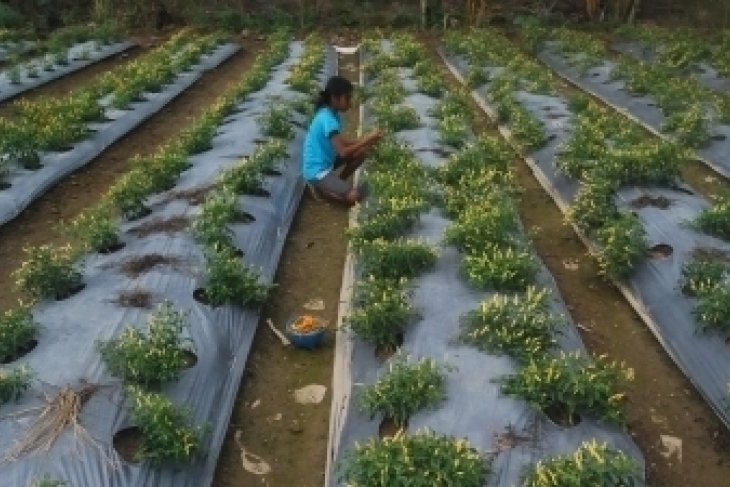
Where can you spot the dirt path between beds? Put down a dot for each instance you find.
(266, 421)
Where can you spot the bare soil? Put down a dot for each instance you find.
(39, 223)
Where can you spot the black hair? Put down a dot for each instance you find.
(336, 86)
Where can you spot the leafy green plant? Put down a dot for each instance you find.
(167, 431)
(276, 121)
(381, 311)
(430, 83)
(521, 326)
(17, 330)
(477, 77)
(483, 155)
(702, 271)
(691, 127)
(47, 272)
(421, 460)
(395, 259)
(303, 76)
(493, 221)
(211, 226)
(453, 103)
(151, 357)
(622, 244)
(573, 381)
(454, 130)
(14, 382)
(199, 137)
(504, 268)
(230, 281)
(129, 193)
(592, 464)
(387, 218)
(594, 205)
(247, 176)
(713, 307)
(394, 118)
(96, 228)
(715, 221)
(404, 390)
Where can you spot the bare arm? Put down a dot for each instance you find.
(344, 149)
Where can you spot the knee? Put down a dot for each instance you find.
(353, 197)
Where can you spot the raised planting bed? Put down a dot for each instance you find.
(621, 191)
(702, 55)
(146, 428)
(66, 51)
(55, 137)
(449, 319)
(669, 105)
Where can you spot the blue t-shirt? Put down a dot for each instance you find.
(319, 153)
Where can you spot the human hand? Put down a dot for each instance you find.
(376, 135)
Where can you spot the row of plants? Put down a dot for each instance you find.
(474, 189)
(54, 123)
(690, 109)
(48, 55)
(303, 75)
(145, 359)
(399, 190)
(518, 73)
(602, 151)
(517, 320)
(521, 324)
(606, 153)
(681, 47)
(149, 359)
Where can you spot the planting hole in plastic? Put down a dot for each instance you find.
(661, 251)
(719, 137)
(261, 192)
(558, 413)
(271, 172)
(20, 352)
(388, 428)
(74, 290)
(4, 185)
(190, 359)
(113, 248)
(200, 296)
(142, 213)
(384, 352)
(656, 201)
(244, 217)
(127, 443)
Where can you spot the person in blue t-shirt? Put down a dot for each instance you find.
(326, 148)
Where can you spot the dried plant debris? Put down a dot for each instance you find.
(135, 266)
(135, 298)
(194, 196)
(60, 412)
(171, 225)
